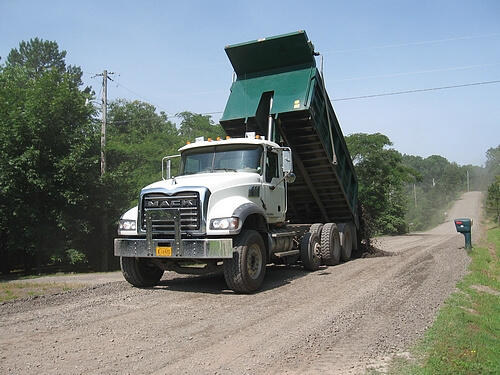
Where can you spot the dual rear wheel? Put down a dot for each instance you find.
(327, 244)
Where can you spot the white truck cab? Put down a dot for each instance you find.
(223, 188)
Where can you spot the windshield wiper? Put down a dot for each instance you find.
(224, 169)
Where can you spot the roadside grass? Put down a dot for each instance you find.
(465, 338)
(15, 290)
(14, 277)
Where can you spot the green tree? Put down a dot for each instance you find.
(138, 139)
(493, 163)
(47, 152)
(382, 180)
(38, 55)
(493, 175)
(195, 125)
(440, 184)
(493, 199)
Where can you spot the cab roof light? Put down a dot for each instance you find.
(188, 142)
(257, 136)
(218, 138)
(228, 137)
(209, 139)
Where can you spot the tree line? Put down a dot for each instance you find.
(57, 211)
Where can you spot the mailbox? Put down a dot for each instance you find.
(464, 226)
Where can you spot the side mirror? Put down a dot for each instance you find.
(290, 177)
(168, 161)
(287, 161)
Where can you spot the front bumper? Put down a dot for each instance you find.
(218, 248)
(176, 248)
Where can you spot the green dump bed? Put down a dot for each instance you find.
(284, 68)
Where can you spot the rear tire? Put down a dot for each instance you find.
(139, 272)
(330, 244)
(245, 272)
(316, 228)
(310, 251)
(346, 241)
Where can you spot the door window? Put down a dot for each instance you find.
(272, 170)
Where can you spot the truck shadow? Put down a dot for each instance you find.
(276, 276)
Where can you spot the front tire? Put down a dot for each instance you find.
(245, 272)
(139, 272)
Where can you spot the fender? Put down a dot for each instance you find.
(245, 210)
(253, 216)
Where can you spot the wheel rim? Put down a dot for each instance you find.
(254, 261)
(316, 250)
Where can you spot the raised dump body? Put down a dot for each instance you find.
(279, 93)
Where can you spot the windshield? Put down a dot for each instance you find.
(233, 158)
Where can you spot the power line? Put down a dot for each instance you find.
(210, 113)
(423, 42)
(418, 72)
(142, 97)
(335, 100)
(415, 90)
(139, 95)
(168, 116)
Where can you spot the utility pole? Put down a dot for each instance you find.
(415, 194)
(104, 114)
(468, 184)
(105, 76)
(104, 264)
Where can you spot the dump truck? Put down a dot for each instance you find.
(278, 188)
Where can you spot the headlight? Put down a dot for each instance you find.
(127, 225)
(225, 223)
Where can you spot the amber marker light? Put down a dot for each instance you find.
(257, 136)
(218, 138)
(228, 137)
(209, 139)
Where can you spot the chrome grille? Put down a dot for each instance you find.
(188, 203)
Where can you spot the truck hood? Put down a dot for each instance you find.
(213, 181)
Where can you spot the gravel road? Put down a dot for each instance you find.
(339, 320)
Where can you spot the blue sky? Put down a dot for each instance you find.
(171, 54)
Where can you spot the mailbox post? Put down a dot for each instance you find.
(464, 226)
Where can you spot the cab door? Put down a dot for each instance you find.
(274, 200)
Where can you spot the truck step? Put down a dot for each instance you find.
(283, 234)
(284, 254)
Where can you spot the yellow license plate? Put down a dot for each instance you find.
(163, 251)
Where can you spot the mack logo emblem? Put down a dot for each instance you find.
(172, 203)
(152, 203)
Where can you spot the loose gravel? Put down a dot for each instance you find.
(343, 319)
